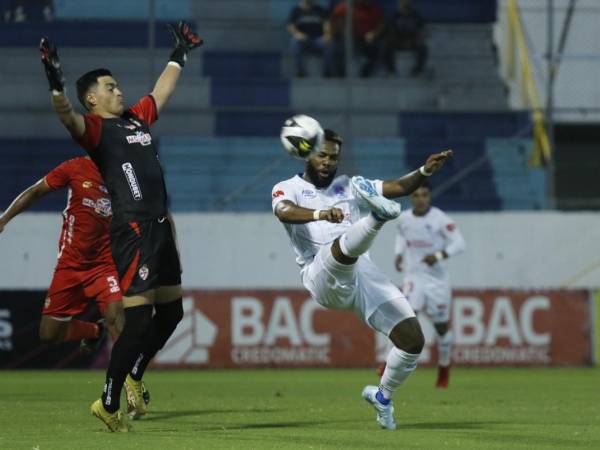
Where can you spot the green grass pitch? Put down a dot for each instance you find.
(308, 409)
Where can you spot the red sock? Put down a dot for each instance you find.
(78, 329)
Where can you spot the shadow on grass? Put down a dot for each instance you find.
(462, 425)
(166, 415)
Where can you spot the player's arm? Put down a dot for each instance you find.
(411, 182)
(71, 119)
(399, 248)
(24, 200)
(288, 212)
(455, 244)
(184, 41)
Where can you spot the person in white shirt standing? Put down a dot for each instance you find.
(426, 238)
(321, 214)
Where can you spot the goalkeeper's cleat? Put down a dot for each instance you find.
(385, 413)
(90, 345)
(136, 405)
(114, 421)
(381, 207)
(145, 394)
(443, 379)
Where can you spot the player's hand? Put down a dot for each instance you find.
(184, 40)
(333, 215)
(430, 260)
(398, 263)
(437, 160)
(51, 63)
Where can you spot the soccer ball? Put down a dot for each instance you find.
(301, 135)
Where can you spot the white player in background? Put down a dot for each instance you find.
(322, 217)
(426, 238)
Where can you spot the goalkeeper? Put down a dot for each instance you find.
(143, 245)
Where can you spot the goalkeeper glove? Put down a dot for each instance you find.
(184, 40)
(51, 63)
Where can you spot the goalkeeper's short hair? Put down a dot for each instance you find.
(87, 81)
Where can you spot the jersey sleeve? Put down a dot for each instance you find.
(59, 177)
(145, 109)
(455, 243)
(282, 191)
(93, 130)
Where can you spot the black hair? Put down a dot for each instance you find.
(425, 184)
(89, 80)
(332, 136)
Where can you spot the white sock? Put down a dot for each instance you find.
(359, 237)
(399, 365)
(444, 348)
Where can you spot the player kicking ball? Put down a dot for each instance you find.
(321, 214)
(119, 141)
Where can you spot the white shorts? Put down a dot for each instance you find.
(360, 287)
(428, 294)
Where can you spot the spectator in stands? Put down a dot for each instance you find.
(368, 24)
(405, 30)
(309, 26)
(28, 10)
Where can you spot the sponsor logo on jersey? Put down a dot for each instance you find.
(308, 193)
(134, 186)
(143, 272)
(102, 206)
(278, 194)
(87, 184)
(139, 137)
(339, 191)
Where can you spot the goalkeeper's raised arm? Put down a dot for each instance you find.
(70, 118)
(184, 40)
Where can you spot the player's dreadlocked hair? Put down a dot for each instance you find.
(87, 81)
(332, 136)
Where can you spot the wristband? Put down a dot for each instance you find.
(439, 256)
(317, 214)
(56, 92)
(424, 172)
(174, 64)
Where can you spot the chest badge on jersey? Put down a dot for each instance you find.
(87, 184)
(339, 191)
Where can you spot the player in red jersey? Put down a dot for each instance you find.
(85, 268)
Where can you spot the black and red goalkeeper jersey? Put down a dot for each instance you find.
(123, 150)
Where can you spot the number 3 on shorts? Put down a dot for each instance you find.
(113, 284)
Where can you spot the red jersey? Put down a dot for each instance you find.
(84, 240)
(365, 18)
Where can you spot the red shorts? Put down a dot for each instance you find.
(71, 289)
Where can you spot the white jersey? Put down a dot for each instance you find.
(308, 238)
(419, 236)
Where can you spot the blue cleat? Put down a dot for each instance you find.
(382, 208)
